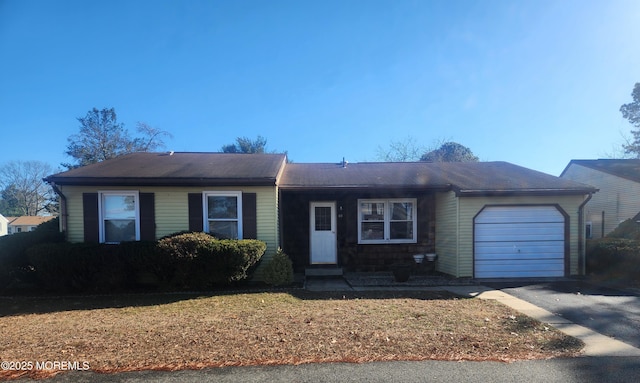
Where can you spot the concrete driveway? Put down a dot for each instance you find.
(610, 312)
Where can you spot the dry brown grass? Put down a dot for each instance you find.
(188, 332)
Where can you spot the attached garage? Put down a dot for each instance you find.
(519, 241)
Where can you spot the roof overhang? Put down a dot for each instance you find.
(338, 188)
(522, 192)
(130, 181)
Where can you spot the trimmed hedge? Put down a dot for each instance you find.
(617, 256)
(14, 266)
(64, 266)
(629, 229)
(183, 261)
(202, 261)
(613, 255)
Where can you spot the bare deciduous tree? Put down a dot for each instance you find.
(401, 151)
(23, 188)
(409, 150)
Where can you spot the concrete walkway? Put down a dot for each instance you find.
(596, 344)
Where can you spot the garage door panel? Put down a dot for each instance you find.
(514, 257)
(499, 230)
(519, 241)
(514, 237)
(523, 265)
(500, 227)
(527, 214)
(515, 247)
(523, 274)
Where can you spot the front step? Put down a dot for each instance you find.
(323, 272)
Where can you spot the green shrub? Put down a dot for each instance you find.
(629, 229)
(14, 265)
(202, 261)
(65, 267)
(230, 260)
(279, 270)
(181, 250)
(147, 266)
(607, 254)
(83, 267)
(186, 245)
(186, 260)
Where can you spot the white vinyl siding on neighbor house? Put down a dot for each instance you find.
(618, 198)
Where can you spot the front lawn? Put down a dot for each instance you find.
(175, 331)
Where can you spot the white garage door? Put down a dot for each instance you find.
(519, 241)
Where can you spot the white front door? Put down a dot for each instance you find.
(323, 233)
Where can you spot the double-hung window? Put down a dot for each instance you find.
(223, 214)
(387, 221)
(119, 216)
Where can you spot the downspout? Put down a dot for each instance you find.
(582, 256)
(63, 207)
(458, 236)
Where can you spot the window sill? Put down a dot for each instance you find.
(387, 242)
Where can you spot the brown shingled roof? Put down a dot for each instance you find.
(467, 178)
(463, 177)
(177, 169)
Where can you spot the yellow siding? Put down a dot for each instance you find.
(619, 198)
(471, 206)
(447, 232)
(75, 226)
(172, 213)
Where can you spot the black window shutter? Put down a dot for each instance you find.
(249, 216)
(195, 212)
(147, 217)
(90, 214)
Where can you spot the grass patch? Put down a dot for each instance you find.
(170, 332)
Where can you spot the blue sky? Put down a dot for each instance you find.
(536, 83)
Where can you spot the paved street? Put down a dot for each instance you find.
(577, 370)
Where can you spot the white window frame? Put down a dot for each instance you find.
(205, 207)
(387, 221)
(101, 218)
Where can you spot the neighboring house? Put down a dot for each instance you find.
(25, 223)
(618, 199)
(4, 225)
(484, 220)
